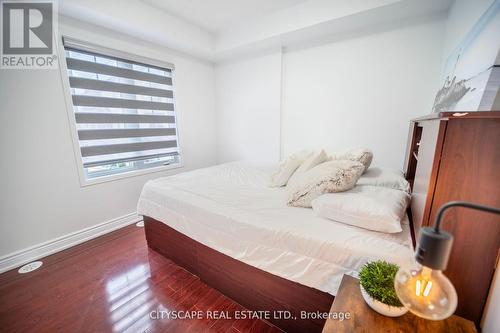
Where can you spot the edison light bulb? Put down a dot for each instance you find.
(425, 292)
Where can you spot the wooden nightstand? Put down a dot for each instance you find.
(364, 319)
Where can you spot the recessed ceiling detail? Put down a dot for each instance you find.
(219, 30)
(218, 15)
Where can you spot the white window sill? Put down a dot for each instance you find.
(134, 173)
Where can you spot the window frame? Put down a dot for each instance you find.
(63, 71)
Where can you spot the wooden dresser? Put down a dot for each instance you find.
(456, 156)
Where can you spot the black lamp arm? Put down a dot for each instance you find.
(465, 204)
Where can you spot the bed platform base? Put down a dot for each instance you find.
(253, 288)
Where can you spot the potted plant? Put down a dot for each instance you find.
(377, 288)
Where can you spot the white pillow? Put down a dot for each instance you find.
(385, 178)
(332, 176)
(287, 167)
(309, 163)
(369, 207)
(362, 155)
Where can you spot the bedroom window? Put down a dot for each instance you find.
(123, 110)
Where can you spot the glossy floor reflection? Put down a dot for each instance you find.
(111, 284)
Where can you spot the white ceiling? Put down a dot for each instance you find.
(218, 15)
(218, 30)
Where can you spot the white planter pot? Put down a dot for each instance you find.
(383, 309)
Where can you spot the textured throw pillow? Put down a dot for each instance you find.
(309, 163)
(368, 207)
(384, 178)
(332, 176)
(287, 167)
(362, 155)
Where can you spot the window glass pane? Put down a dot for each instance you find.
(112, 94)
(117, 79)
(93, 143)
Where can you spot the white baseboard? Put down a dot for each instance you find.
(38, 251)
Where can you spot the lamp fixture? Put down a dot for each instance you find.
(424, 290)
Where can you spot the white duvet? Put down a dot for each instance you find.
(231, 209)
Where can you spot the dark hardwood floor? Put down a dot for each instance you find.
(112, 284)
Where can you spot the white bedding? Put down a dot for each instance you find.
(231, 209)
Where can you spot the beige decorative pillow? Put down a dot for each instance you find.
(362, 155)
(332, 176)
(287, 167)
(313, 160)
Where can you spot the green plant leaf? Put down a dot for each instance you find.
(377, 278)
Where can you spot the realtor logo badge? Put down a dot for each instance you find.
(28, 28)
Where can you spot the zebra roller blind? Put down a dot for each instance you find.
(123, 109)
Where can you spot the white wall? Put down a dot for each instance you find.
(248, 94)
(362, 91)
(41, 194)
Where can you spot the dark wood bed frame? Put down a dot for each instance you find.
(253, 288)
(261, 291)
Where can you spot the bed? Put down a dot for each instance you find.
(226, 225)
